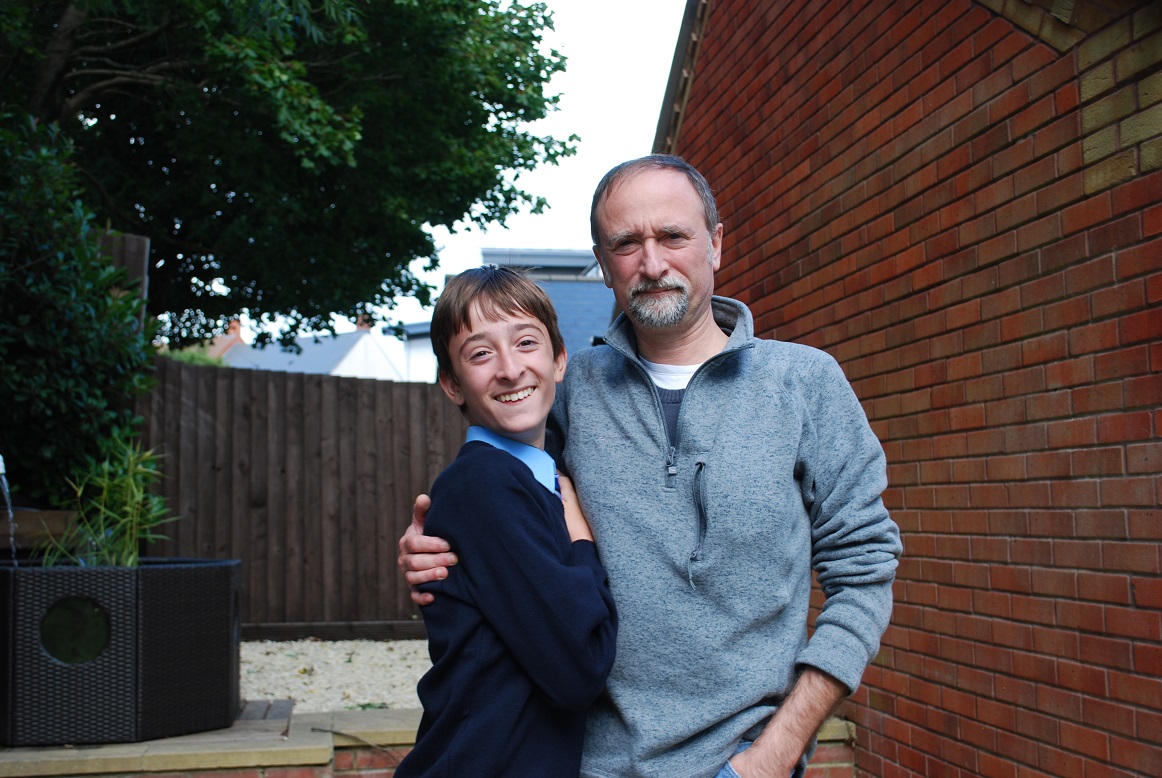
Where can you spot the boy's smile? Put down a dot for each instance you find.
(505, 374)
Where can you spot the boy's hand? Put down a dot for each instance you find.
(574, 519)
(422, 558)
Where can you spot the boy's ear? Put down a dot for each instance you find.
(559, 363)
(451, 387)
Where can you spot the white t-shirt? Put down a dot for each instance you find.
(670, 376)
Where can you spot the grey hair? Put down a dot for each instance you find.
(655, 162)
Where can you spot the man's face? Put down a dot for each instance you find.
(655, 250)
(505, 375)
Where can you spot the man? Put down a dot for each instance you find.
(717, 471)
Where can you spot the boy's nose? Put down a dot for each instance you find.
(507, 366)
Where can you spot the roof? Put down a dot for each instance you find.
(585, 305)
(584, 309)
(681, 76)
(357, 354)
(543, 263)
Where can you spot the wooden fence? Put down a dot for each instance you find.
(309, 480)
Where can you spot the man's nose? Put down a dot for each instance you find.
(653, 263)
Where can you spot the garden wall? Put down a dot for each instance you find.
(962, 202)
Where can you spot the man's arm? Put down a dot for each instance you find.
(423, 558)
(777, 750)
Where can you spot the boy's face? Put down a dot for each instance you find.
(505, 375)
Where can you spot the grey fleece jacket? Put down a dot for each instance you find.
(710, 544)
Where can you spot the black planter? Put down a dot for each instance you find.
(117, 655)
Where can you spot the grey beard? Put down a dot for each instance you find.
(659, 313)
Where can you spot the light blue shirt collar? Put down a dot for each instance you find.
(542, 465)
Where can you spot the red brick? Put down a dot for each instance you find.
(1062, 71)
(1119, 299)
(1019, 269)
(1022, 325)
(1152, 220)
(1036, 115)
(1128, 492)
(1148, 593)
(1094, 399)
(1104, 587)
(1133, 688)
(1143, 391)
(1143, 326)
(1049, 464)
(1108, 237)
(1094, 337)
(1135, 195)
(1065, 253)
(1143, 758)
(1134, 623)
(1139, 260)
(1017, 158)
(1144, 458)
(1034, 176)
(1121, 363)
(1039, 233)
(1098, 461)
(1072, 433)
(1067, 314)
(1071, 158)
(1086, 214)
(1145, 524)
(1124, 427)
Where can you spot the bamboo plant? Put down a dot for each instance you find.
(115, 510)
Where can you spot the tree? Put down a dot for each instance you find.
(285, 156)
(72, 352)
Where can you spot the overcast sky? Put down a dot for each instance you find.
(619, 55)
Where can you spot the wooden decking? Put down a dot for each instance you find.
(267, 733)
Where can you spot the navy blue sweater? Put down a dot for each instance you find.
(521, 633)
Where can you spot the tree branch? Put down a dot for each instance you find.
(44, 100)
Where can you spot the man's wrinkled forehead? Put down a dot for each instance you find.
(666, 180)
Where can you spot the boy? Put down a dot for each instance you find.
(522, 630)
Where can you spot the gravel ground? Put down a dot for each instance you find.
(322, 675)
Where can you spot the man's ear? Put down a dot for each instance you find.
(604, 270)
(451, 388)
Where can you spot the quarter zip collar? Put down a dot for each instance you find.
(730, 315)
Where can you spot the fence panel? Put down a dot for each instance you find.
(308, 479)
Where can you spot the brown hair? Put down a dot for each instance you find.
(499, 291)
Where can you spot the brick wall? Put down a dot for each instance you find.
(962, 202)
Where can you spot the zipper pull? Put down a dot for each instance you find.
(671, 468)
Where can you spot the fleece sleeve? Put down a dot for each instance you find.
(855, 543)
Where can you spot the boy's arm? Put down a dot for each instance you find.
(545, 595)
(423, 558)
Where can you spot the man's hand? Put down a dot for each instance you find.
(575, 521)
(422, 558)
(776, 751)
